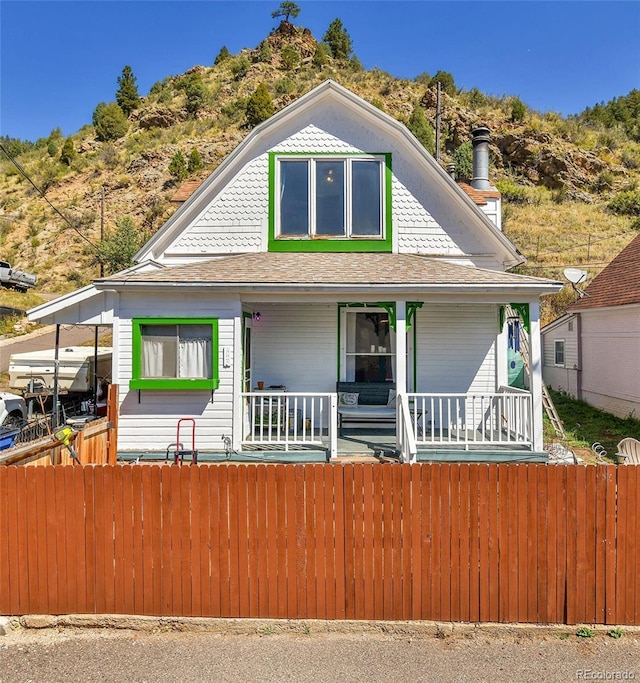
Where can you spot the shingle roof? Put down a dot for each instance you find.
(478, 196)
(187, 188)
(267, 268)
(618, 284)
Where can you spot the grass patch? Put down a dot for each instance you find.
(586, 425)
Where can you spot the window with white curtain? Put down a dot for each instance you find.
(174, 354)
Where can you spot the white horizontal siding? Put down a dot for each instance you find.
(148, 419)
(296, 345)
(456, 348)
(611, 359)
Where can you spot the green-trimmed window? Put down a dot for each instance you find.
(331, 198)
(175, 353)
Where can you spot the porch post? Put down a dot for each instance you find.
(238, 384)
(401, 347)
(536, 375)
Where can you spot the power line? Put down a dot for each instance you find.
(41, 193)
(586, 244)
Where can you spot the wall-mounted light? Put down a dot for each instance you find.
(256, 316)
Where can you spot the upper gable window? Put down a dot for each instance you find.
(330, 197)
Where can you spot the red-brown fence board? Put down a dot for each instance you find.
(530, 543)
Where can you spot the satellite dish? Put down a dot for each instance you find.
(575, 275)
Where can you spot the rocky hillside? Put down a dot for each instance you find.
(557, 176)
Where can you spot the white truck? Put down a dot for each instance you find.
(13, 410)
(15, 279)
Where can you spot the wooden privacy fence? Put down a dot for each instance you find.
(459, 542)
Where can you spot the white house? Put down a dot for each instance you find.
(329, 247)
(593, 352)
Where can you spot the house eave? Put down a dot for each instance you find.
(509, 289)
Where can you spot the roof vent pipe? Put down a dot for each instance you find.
(480, 142)
(451, 170)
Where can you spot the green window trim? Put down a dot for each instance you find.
(324, 245)
(168, 383)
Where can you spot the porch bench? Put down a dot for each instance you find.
(372, 405)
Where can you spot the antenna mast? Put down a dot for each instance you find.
(438, 121)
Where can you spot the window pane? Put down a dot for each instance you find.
(159, 350)
(373, 369)
(366, 199)
(330, 198)
(371, 333)
(294, 197)
(195, 351)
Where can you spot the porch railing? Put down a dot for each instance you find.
(288, 420)
(503, 418)
(405, 431)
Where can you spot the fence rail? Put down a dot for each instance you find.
(459, 542)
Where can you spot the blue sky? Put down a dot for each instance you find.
(59, 59)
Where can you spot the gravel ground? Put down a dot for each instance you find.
(494, 655)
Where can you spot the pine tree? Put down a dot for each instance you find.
(286, 10)
(127, 95)
(223, 55)
(338, 40)
(320, 57)
(68, 153)
(260, 106)
(178, 166)
(109, 121)
(119, 246)
(195, 161)
(422, 129)
(447, 84)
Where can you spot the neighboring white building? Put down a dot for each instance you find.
(328, 246)
(602, 348)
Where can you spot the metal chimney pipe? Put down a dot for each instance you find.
(451, 170)
(480, 142)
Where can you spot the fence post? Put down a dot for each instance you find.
(112, 417)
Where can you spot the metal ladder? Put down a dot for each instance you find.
(547, 401)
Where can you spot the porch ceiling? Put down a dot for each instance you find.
(272, 271)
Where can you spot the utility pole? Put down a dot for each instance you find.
(438, 122)
(101, 228)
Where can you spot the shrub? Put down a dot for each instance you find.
(260, 106)
(447, 84)
(463, 159)
(285, 86)
(626, 203)
(235, 109)
(195, 161)
(68, 153)
(422, 129)
(603, 182)
(119, 246)
(195, 92)
(240, 68)
(109, 121)
(264, 52)
(289, 57)
(512, 192)
(320, 56)
(178, 166)
(518, 110)
(52, 149)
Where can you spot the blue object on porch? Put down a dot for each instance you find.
(516, 369)
(8, 437)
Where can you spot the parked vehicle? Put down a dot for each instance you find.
(15, 279)
(13, 410)
(34, 371)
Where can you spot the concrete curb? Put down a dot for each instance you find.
(410, 629)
